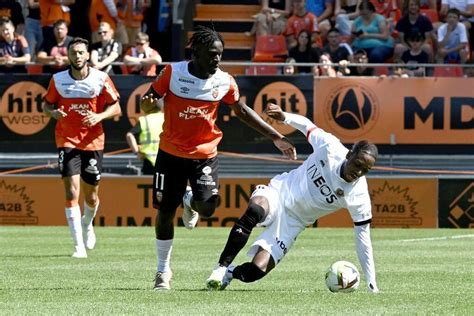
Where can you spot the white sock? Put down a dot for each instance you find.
(89, 213)
(73, 216)
(163, 251)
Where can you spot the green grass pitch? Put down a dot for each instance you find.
(430, 275)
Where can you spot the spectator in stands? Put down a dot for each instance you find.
(12, 10)
(345, 12)
(336, 49)
(144, 137)
(465, 7)
(50, 12)
(469, 71)
(106, 51)
(14, 50)
(371, 33)
(326, 69)
(414, 22)
(360, 57)
(33, 32)
(301, 20)
(131, 12)
(142, 56)
(304, 53)
(106, 11)
(54, 54)
(452, 40)
(413, 56)
(272, 19)
(324, 11)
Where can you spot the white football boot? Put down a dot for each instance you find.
(190, 216)
(79, 252)
(220, 278)
(163, 281)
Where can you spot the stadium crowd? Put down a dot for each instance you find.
(316, 31)
(39, 31)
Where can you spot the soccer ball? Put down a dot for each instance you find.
(342, 276)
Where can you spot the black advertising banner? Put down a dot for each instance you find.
(456, 203)
(293, 93)
(24, 128)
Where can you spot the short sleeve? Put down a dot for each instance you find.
(52, 94)
(161, 85)
(233, 94)
(109, 92)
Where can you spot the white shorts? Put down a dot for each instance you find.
(282, 229)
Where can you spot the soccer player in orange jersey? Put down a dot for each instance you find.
(192, 92)
(80, 99)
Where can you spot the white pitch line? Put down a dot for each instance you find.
(438, 238)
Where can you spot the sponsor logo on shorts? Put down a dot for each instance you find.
(92, 168)
(206, 178)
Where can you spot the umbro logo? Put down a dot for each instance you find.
(239, 230)
(322, 163)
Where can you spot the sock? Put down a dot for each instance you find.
(240, 233)
(248, 272)
(237, 240)
(163, 251)
(89, 213)
(73, 216)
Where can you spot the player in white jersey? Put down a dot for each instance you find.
(332, 177)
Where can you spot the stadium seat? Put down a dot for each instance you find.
(430, 14)
(454, 71)
(270, 48)
(262, 70)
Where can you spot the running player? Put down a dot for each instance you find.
(79, 99)
(192, 92)
(331, 178)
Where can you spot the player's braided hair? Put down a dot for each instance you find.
(366, 147)
(204, 36)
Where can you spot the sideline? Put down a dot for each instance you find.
(437, 238)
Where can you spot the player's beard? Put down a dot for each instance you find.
(76, 67)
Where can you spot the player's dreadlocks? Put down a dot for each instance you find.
(204, 36)
(366, 147)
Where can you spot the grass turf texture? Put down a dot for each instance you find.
(37, 275)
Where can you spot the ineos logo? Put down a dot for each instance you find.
(21, 108)
(352, 107)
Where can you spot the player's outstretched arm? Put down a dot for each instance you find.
(252, 119)
(366, 256)
(299, 122)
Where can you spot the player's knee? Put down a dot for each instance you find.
(252, 216)
(208, 207)
(248, 272)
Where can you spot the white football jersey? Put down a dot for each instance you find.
(316, 188)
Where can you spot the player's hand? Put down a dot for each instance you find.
(148, 103)
(58, 114)
(373, 288)
(286, 147)
(91, 119)
(275, 112)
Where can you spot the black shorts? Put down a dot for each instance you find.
(87, 163)
(172, 174)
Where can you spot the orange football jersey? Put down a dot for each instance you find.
(190, 108)
(76, 97)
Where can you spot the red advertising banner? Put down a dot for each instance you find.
(127, 201)
(396, 110)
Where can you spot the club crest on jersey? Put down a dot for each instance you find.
(215, 92)
(339, 192)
